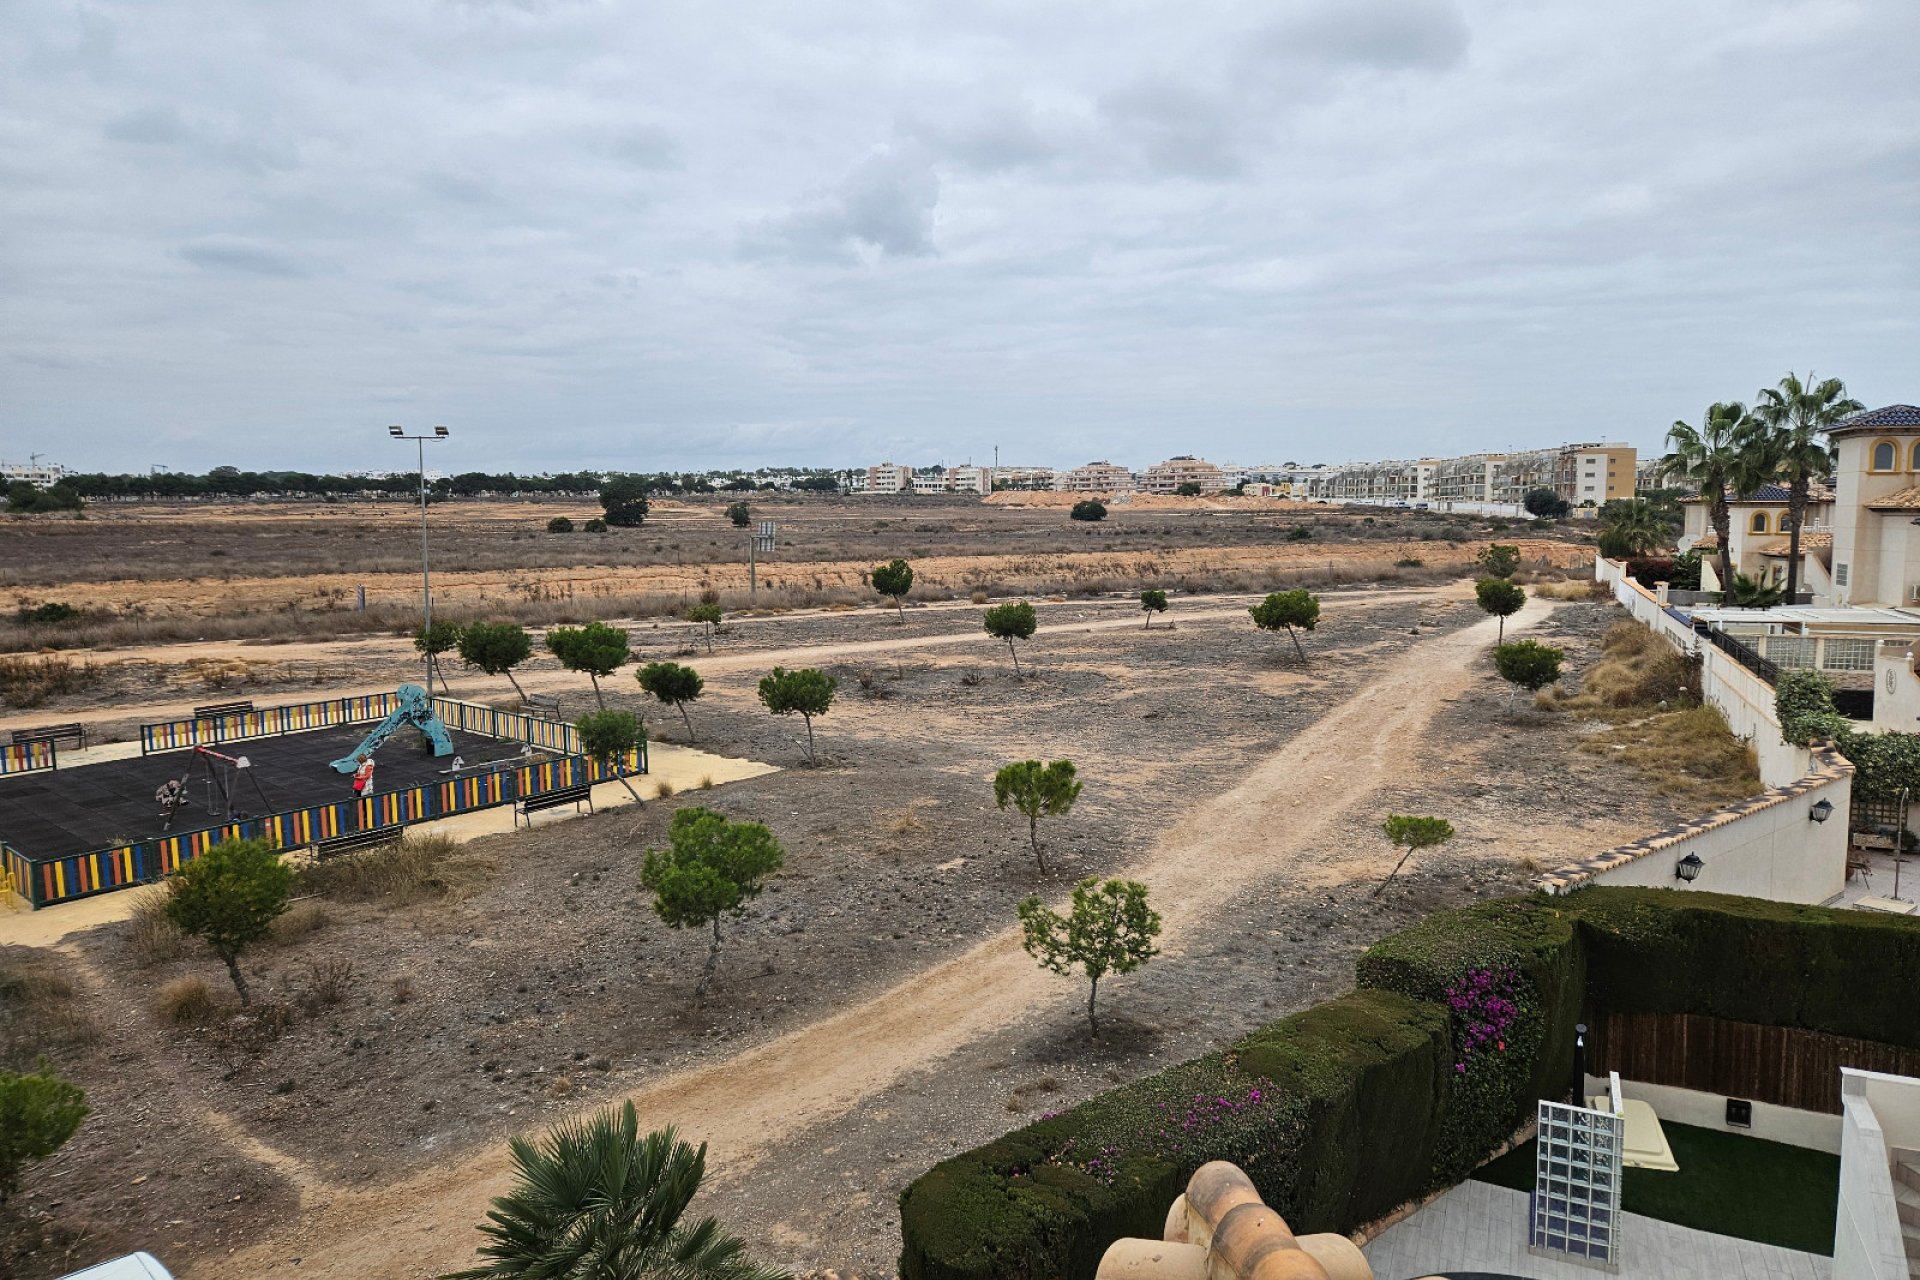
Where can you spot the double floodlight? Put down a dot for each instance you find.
(401, 433)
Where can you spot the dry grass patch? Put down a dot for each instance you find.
(1689, 756)
(418, 867)
(152, 936)
(300, 920)
(29, 680)
(42, 1013)
(1637, 672)
(186, 1002)
(1571, 589)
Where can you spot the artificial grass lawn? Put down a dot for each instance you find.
(1728, 1184)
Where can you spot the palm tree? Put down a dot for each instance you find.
(1796, 415)
(596, 1201)
(1719, 458)
(1631, 528)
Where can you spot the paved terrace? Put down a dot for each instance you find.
(1478, 1227)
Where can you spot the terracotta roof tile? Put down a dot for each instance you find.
(1904, 500)
(1812, 540)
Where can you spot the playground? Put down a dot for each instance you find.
(366, 766)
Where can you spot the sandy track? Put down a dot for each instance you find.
(398, 657)
(1276, 819)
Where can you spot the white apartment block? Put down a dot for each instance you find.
(970, 479)
(1096, 477)
(34, 473)
(1031, 478)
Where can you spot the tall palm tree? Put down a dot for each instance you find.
(1796, 415)
(1721, 459)
(596, 1201)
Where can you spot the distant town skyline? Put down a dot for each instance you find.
(591, 235)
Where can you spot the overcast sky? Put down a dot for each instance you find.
(648, 236)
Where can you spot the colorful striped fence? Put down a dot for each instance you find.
(28, 757)
(47, 881)
(270, 722)
(18, 871)
(511, 726)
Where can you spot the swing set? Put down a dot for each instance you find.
(224, 775)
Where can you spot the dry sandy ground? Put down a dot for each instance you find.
(809, 1077)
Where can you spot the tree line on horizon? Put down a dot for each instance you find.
(235, 483)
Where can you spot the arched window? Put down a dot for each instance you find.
(1759, 522)
(1914, 463)
(1885, 456)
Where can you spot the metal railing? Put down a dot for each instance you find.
(1743, 654)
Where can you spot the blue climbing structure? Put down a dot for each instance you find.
(414, 710)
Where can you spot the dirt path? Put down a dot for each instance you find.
(1293, 799)
(397, 656)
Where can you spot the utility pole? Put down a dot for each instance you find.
(426, 583)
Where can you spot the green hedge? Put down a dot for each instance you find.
(1345, 1110)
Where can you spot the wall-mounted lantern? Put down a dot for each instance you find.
(1821, 811)
(1689, 868)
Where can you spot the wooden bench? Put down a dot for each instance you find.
(214, 710)
(75, 733)
(577, 795)
(545, 706)
(356, 842)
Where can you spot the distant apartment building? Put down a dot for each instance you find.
(889, 477)
(970, 479)
(1026, 478)
(1097, 477)
(43, 475)
(1397, 480)
(1588, 475)
(1168, 476)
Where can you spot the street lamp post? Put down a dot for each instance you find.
(426, 583)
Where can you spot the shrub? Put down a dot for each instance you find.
(1301, 533)
(740, 513)
(51, 614)
(1527, 664)
(185, 1001)
(559, 524)
(301, 920)
(1803, 703)
(152, 936)
(595, 525)
(38, 1113)
(1409, 562)
(329, 982)
(1546, 504)
(1187, 489)
(1088, 509)
(1649, 571)
(419, 865)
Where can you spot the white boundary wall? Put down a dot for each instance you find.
(1879, 1113)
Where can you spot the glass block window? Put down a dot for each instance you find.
(1576, 1189)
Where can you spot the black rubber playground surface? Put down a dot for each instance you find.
(85, 807)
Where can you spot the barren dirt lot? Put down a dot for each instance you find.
(292, 571)
(872, 1012)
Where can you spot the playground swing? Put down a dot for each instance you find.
(223, 776)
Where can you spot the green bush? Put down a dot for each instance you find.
(51, 614)
(559, 524)
(38, 1113)
(1088, 509)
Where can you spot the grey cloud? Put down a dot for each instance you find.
(1390, 34)
(885, 206)
(243, 255)
(645, 147)
(152, 126)
(1177, 129)
(1001, 137)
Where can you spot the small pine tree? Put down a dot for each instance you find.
(229, 897)
(1010, 622)
(38, 1113)
(807, 692)
(1502, 598)
(496, 648)
(1411, 833)
(609, 737)
(708, 615)
(1288, 609)
(559, 524)
(442, 637)
(1152, 602)
(597, 649)
(710, 867)
(624, 500)
(1500, 559)
(1110, 929)
(1088, 509)
(740, 513)
(1527, 664)
(1036, 789)
(895, 578)
(595, 525)
(674, 685)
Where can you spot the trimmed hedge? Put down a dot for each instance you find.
(1346, 1110)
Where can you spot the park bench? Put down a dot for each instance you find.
(75, 733)
(357, 841)
(576, 795)
(545, 706)
(214, 710)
